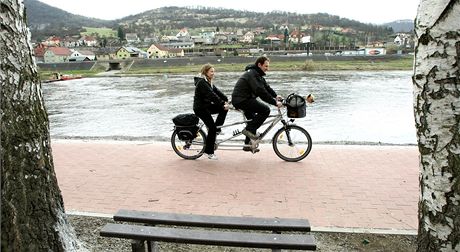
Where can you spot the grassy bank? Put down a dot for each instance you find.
(404, 63)
(308, 65)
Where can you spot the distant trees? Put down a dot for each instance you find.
(286, 36)
(121, 33)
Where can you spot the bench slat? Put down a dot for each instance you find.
(220, 238)
(155, 218)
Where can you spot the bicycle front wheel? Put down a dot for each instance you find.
(292, 143)
(189, 149)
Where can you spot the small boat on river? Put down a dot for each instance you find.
(62, 77)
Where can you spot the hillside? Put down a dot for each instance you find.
(45, 20)
(167, 18)
(406, 25)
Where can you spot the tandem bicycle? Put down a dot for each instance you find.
(290, 142)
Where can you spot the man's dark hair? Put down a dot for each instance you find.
(261, 60)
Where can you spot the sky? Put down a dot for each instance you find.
(366, 11)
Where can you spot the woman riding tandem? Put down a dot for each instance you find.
(209, 100)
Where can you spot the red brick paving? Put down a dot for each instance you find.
(336, 186)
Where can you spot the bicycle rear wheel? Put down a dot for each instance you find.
(189, 149)
(292, 143)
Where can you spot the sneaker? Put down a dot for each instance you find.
(249, 134)
(212, 156)
(246, 148)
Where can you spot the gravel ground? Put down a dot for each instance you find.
(87, 229)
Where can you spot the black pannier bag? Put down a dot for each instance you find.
(296, 106)
(186, 126)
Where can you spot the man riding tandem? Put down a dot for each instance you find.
(250, 85)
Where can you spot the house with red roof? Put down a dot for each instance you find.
(39, 53)
(57, 54)
(52, 41)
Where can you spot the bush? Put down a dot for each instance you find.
(308, 65)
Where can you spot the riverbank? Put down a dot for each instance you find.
(232, 64)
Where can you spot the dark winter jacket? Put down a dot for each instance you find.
(251, 85)
(206, 96)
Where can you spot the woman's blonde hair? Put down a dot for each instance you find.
(205, 68)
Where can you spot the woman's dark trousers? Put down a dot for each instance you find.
(206, 116)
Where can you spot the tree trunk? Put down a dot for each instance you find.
(32, 210)
(437, 118)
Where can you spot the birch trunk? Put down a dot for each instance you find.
(32, 210)
(437, 118)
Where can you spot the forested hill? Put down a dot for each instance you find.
(45, 20)
(405, 25)
(178, 17)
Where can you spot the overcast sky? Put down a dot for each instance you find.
(366, 11)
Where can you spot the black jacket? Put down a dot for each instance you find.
(206, 96)
(251, 85)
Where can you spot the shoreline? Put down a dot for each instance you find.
(147, 67)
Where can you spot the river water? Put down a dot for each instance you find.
(350, 107)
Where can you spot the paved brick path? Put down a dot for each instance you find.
(336, 186)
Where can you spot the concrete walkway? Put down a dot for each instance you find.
(356, 188)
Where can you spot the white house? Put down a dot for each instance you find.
(183, 35)
(132, 38)
(305, 39)
(248, 37)
(71, 42)
(82, 55)
(88, 41)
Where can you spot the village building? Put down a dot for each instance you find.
(127, 52)
(160, 51)
(70, 42)
(248, 38)
(57, 55)
(183, 36)
(52, 41)
(88, 41)
(39, 53)
(132, 38)
(82, 55)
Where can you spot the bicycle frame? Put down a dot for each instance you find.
(272, 120)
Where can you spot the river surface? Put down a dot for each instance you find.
(350, 107)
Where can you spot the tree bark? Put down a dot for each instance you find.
(437, 119)
(32, 210)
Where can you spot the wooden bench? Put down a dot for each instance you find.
(171, 233)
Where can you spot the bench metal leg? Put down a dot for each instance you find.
(137, 246)
(153, 246)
